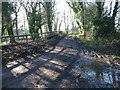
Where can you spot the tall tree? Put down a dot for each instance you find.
(114, 13)
(78, 9)
(100, 8)
(49, 9)
(39, 17)
(0, 18)
(105, 20)
(7, 23)
(34, 17)
(16, 10)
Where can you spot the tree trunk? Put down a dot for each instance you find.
(49, 23)
(114, 14)
(16, 24)
(40, 19)
(49, 15)
(11, 34)
(100, 8)
(10, 29)
(84, 19)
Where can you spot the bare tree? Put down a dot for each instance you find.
(16, 10)
(49, 9)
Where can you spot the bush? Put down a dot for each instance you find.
(103, 27)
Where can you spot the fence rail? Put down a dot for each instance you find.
(8, 36)
(25, 37)
(29, 42)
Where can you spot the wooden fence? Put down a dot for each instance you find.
(26, 41)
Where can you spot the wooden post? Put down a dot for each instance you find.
(12, 46)
(37, 39)
(25, 38)
(27, 41)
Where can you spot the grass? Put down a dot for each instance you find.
(3, 43)
(114, 56)
(10, 57)
(101, 46)
(88, 41)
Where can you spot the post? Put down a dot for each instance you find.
(12, 53)
(24, 38)
(27, 41)
(37, 38)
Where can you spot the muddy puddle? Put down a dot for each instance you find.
(100, 74)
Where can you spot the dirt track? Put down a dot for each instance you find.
(58, 66)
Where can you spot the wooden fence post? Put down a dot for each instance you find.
(37, 38)
(11, 37)
(27, 41)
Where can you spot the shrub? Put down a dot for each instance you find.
(103, 27)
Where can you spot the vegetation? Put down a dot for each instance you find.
(46, 47)
(7, 23)
(94, 20)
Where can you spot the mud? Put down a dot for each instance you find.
(61, 66)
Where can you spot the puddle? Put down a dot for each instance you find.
(101, 73)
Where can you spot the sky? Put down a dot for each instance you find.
(63, 7)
